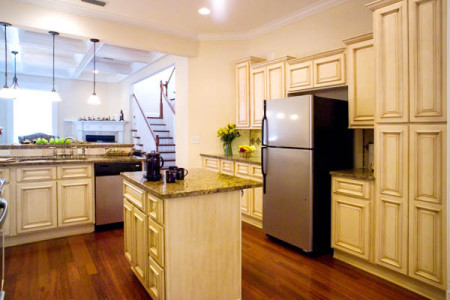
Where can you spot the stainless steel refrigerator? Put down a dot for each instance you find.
(304, 138)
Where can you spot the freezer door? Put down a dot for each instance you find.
(287, 202)
(289, 122)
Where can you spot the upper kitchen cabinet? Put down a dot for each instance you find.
(409, 38)
(243, 67)
(317, 71)
(267, 81)
(361, 81)
(426, 61)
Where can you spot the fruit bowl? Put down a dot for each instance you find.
(245, 154)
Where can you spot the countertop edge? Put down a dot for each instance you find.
(358, 173)
(93, 160)
(233, 158)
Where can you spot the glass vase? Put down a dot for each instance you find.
(227, 149)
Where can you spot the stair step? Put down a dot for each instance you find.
(167, 160)
(141, 145)
(157, 124)
(167, 145)
(161, 130)
(172, 99)
(167, 152)
(165, 137)
(154, 118)
(133, 130)
(136, 137)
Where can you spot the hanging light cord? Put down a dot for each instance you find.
(6, 59)
(53, 63)
(95, 69)
(14, 82)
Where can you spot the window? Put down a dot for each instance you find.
(32, 115)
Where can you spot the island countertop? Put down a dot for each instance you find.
(197, 182)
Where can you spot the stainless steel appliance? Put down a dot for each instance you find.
(3, 214)
(109, 192)
(304, 137)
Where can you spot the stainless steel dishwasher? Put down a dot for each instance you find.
(109, 193)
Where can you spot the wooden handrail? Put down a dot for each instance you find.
(155, 137)
(164, 95)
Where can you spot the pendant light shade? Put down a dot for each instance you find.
(14, 90)
(6, 92)
(54, 96)
(93, 99)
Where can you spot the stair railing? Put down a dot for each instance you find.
(164, 95)
(155, 136)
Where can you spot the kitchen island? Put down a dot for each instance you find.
(183, 240)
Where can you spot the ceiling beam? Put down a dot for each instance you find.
(86, 59)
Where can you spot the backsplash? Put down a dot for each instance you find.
(250, 137)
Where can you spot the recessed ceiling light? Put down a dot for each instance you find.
(204, 11)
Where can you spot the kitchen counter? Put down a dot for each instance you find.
(251, 160)
(197, 182)
(358, 173)
(39, 161)
(84, 144)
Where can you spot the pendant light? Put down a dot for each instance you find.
(15, 90)
(6, 92)
(54, 96)
(93, 99)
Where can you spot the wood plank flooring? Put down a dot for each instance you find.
(92, 266)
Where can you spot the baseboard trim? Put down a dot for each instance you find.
(404, 281)
(252, 221)
(31, 237)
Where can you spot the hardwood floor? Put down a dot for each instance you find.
(92, 266)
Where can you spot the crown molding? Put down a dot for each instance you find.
(66, 7)
(296, 16)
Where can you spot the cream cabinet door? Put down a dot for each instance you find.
(257, 96)
(243, 95)
(75, 202)
(391, 172)
(361, 84)
(36, 207)
(299, 76)
(426, 60)
(329, 71)
(156, 241)
(7, 226)
(391, 62)
(128, 230)
(351, 225)
(139, 245)
(275, 81)
(155, 280)
(246, 201)
(257, 207)
(427, 187)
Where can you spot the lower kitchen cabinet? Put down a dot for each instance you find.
(257, 203)
(36, 206)
(7, 225)
(75, 202)
(155, 280)
(128, 230)
(139, 245)
(246, 199)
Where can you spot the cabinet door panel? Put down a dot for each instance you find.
(36, 206)
(156, 241)
(257, 96)
(128, 230)
(427, 162)
(391, 61)
(246, 201)
(75, 202)
(329, 71)
(351, 225)
(425, 61)
(9, 217)
(276, 85)
(155, 280)
(257, 207)
(140, 244)
(427, 247)
(300, 76)
(243, 95)
(361, 84)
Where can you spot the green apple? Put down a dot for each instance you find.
(56, 141)
(52, 141)
(44, 141)
(68, 141)
(38, 141)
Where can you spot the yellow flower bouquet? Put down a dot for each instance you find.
(227, 134)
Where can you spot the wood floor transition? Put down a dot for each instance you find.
(92, 266)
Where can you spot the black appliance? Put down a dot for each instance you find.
(154, 164)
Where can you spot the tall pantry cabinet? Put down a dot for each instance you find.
(410, 138)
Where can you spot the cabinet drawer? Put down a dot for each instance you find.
(156, 241)
(155, 280)
(36, 174)
(4, 173)
(351, 187)
(227, 167)
(242, 169)
(134, 194)
(156, 209)
(211, 164)
(255, 171)
(329, 70)
(75, 171)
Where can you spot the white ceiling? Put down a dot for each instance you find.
(229, 19)
(73, 58)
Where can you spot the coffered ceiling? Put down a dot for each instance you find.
(229, 19)
(73, 58)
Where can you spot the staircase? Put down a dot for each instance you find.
(162, 137)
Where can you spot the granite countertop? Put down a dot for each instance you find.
(197, 182)
(85, 145)
(40, 161)
(251, 160)
(358, 173)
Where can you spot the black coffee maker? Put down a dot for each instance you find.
(154, 164)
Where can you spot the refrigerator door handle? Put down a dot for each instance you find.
(263, 127)
(263, 167)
